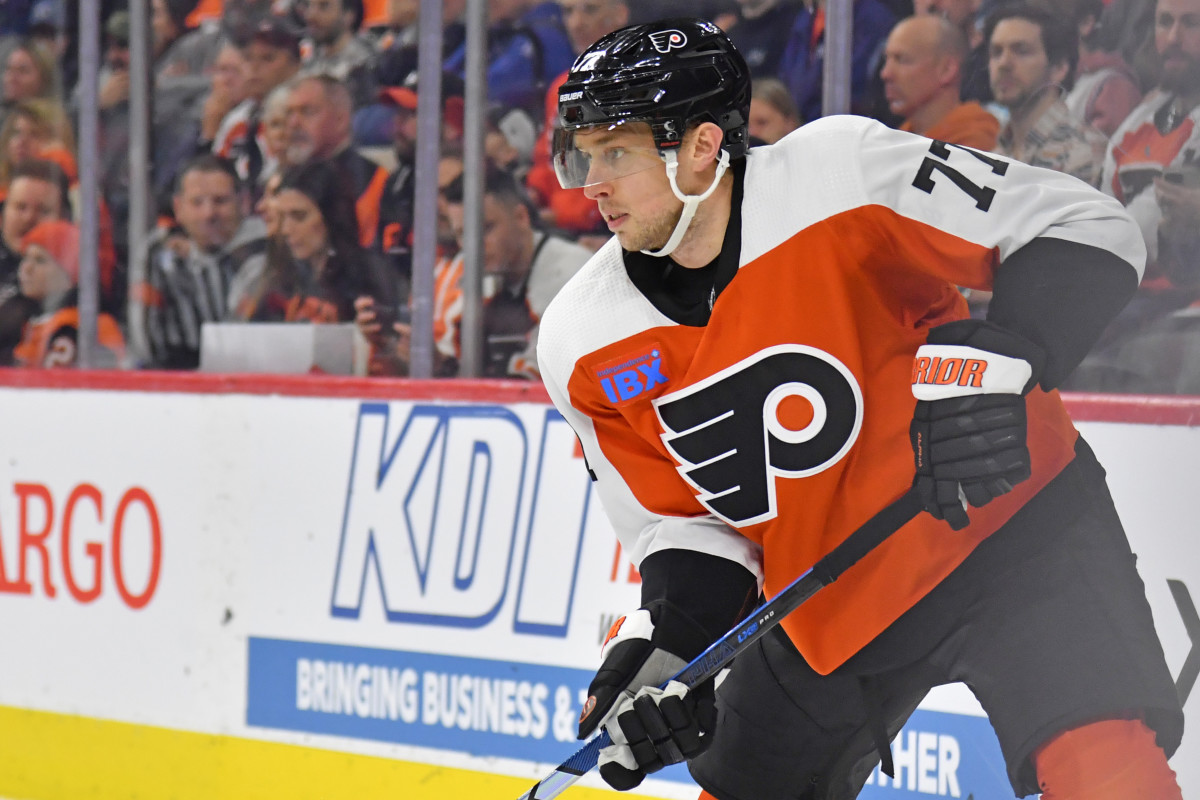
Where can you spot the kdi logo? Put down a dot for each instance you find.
(440, 513)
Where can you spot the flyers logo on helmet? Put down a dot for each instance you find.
(785, 412)
(666, 41)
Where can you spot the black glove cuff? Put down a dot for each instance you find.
(676, 631)
(713, 593)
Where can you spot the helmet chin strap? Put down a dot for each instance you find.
(690, 201)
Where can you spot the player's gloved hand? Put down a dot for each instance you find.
(650, 727)
(968, 430)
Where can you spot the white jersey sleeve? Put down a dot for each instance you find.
(572, 326)
(847, 162)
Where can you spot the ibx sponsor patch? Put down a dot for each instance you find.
(628, 377)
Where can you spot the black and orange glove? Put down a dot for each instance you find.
(651, 727)
(969, 428)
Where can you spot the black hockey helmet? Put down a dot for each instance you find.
(670, 74)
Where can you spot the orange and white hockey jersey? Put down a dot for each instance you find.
(770, 434)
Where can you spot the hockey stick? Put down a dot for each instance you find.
(751, 629)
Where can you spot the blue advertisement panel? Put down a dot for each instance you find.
(527, 711)
(507, 709)
(943, 755)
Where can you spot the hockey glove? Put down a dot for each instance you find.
(968, 430)
(650, 727)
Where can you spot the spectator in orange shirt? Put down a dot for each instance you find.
(49, 275)
(922, 78)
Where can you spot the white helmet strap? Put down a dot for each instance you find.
(690, 201)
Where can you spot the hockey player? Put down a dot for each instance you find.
(753, 364)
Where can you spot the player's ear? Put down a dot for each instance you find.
(705, 145)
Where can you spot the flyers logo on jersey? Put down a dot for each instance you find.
(788, 411)
(627, 378)
(666, 41)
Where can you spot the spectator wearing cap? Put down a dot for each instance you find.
(202, 273)
(272, 52)
(527, 47)
(49, 276)
(373, 124)
(922, 79)
(393, 121)
(238, 18)
(390, 346)
(47, 25)
(333, 47)
(396, 201)
(319, 113)
(568, 209)
(113, 80)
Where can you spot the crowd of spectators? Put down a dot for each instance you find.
(284, 136)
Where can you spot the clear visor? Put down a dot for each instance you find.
(601, 157)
